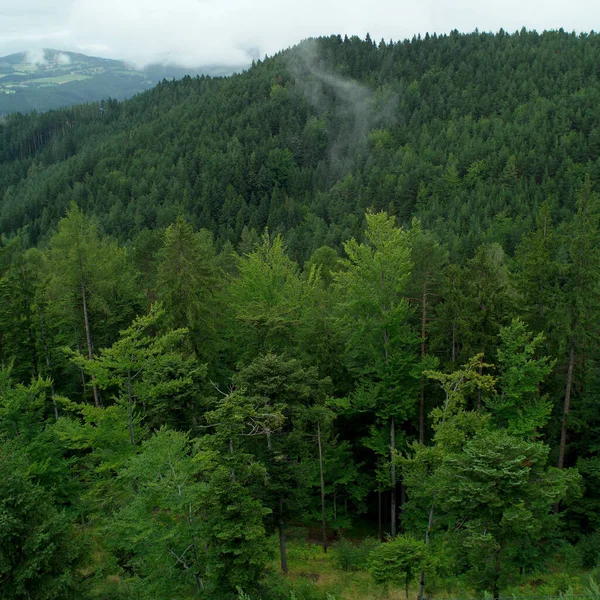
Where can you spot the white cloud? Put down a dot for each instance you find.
(35, 57)
(63, 59)
(195, 32)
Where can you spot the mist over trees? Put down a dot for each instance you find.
(352, 291)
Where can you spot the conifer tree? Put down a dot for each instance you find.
(188, 284)
(580, 300)
(423, 287)
(91, 287)
(373, 316)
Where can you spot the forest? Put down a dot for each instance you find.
(61, 79)
(321, 330)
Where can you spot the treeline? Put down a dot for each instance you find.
(220, 319)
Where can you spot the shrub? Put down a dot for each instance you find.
(350, 556)
(276, 587)
(398, 562)
(589, 549)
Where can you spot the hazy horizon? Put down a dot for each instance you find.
(201, 32)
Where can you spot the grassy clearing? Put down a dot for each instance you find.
(58, 79)
(130, 72)
(25, 68)
(307, 561)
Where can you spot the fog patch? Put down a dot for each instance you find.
(63, 59)
(361, 108)
(36, 57)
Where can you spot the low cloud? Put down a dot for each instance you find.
(35, 57)
(361, 107)
(232, 32)
(63, 59)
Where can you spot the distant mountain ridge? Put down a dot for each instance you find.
(47, 79)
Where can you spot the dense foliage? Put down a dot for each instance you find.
(358, 283)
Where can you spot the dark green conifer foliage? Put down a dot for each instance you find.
(19, 322)
(90, 287)
(373, 317)
(283, 386)
(41, 551)
(486, 143)
(147, 374)
(580, 301)
(188, 284)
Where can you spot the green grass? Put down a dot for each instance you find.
(127, 72)
(25, 68)
(58, 79)
(307, 560)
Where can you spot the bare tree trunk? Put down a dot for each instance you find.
(82, 372)
(480, 371)
(393, 478)
(427, 532)
(496, 588)
(423, 349)
(232, 474)
(130, 410)
(380, 517)
(323, 521)
(197, 570)
(567, 404)
(32, 348)
(335, 506)
(88, 336)
(282, 548)
(48, 364)
(581, 386)
(402, 503)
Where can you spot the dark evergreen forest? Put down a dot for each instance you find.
(335, 314)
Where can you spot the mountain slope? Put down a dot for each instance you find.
(52, 78)
(469, 132)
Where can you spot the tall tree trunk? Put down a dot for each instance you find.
(282, 547)
(423, 349)
(82, 373)
(197, 565)
(401, 505)
(496, 588)
(582, 377)
(393, 477)
(48, 364)
(427, 533)
(335, 506)
(323, 521)
(130, 410)
(32, 348)
(480, 371)
(453, 357)
(380, 516)
(88, 336)
(567, 404)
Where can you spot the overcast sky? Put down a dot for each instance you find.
(201, 32)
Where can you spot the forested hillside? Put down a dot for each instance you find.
(53, 79)
(353, 292)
